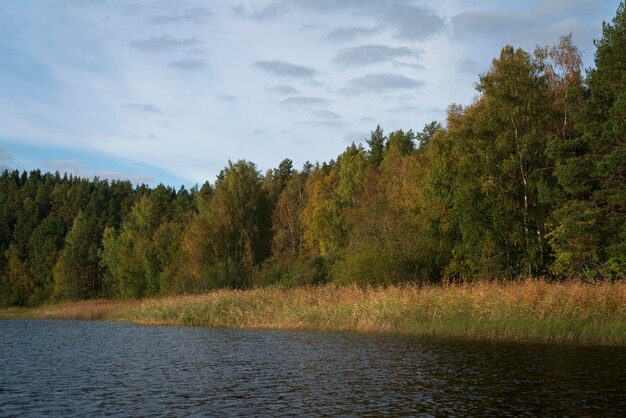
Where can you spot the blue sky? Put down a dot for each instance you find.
(169, 90)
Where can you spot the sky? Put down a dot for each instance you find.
(167, 91)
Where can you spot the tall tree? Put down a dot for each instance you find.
(233, 236)
(142, 259)
(377, 146)
(591, 236)
(330, 190)
(403, 141)
(320, 215)
(429, 130)
(388, 237)
(77, 271)
(501, 170)
(287, 240)
(45, 246)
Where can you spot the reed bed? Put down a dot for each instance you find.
(528, 310)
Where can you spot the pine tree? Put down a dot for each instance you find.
(77, 271)
(401, 140)
(429, 130)
(377, 147)
(591, 235)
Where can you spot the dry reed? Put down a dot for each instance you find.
(528, 310)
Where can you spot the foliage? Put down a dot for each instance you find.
(287, 227)
(591, 231)
(229, 236)
(528, 180)
(376, 143)
(76, 273)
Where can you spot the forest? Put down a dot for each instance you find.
(529, 180)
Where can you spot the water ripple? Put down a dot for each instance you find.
(62, 368)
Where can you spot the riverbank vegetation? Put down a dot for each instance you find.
(526, 181)
(523, 311)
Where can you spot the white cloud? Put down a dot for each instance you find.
(305, 101)
(196, 15)
(381, 83)
(165, 43)
(185, 87)
(190, 64)
(370, 54)
(349, 34)
(285, 69)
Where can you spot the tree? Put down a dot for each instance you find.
(128, 255)
(424, 137)
(591, 233)
(76, 273)
(196, 246)
(403, 141)
(563, 72)
(377, 146)
(287, 239)
(330, 190)
(275, 181)
(320, 216)
(388, 237)
(143, 258)
(230, 235)
(45, 247)
(284, 172)
(518, 102)
(17, 282)
(500, 172)
(307, 168)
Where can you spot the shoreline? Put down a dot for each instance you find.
(533, 311)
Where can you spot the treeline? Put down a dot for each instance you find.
(529, 180)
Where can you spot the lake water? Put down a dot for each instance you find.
(97, 368)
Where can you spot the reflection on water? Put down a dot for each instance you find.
(96, 368)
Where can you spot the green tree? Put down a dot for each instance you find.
(230, 235)
(143, 258)
(388, 237)
(591, 234)
(377, 146)
(76, 273)
(429, 130)
(401, 140)
(500, 172)
(17, 281)
(45, 247)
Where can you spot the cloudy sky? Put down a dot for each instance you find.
(169, 90)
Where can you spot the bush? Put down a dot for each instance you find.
(311, 271)
(372, 265)
(269, 274)
(308, 272)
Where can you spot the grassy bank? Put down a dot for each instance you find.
(531, 310)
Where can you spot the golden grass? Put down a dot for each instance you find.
(528, 310)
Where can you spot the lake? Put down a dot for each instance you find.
(67, 368)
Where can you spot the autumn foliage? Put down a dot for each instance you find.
(528, 180)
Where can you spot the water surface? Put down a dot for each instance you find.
(96, 368)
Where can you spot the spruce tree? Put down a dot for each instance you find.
(377, 146)
(591, 235)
